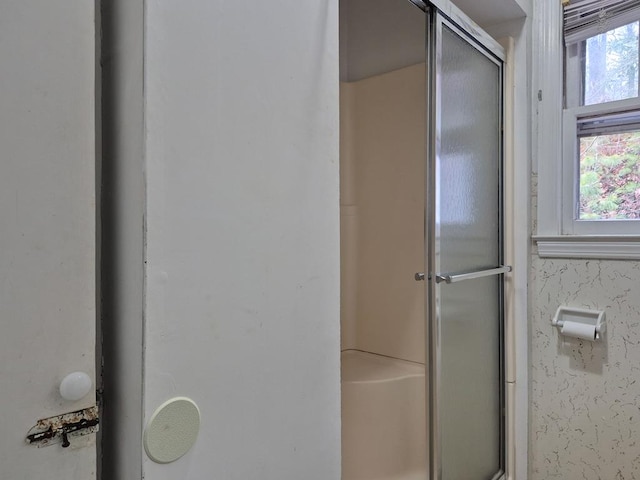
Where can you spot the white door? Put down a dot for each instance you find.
(47, 230)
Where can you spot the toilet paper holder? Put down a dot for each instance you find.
(580, 323)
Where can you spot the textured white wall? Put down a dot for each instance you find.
(585, 397)
(242, 280)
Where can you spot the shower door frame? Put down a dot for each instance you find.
(440, 13)
(437, 21)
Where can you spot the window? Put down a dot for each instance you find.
(601, 119)
(586, 128)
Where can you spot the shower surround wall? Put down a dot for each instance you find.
(585, 397)
(382, 246)
(382, 197)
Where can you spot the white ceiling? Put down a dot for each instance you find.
(378, 36)
(490, 12)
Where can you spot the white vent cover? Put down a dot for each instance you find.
(172, 430)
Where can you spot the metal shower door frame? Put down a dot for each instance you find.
(440, 13)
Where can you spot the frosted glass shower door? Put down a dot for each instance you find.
(465, 257)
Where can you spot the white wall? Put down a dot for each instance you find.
(518, 159)
(241, 305)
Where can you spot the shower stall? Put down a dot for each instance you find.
(422, 254)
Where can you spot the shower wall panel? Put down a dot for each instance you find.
(383, 163)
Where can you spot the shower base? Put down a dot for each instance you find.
(383, 418)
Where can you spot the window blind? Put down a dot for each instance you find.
(586, 18)
(606, 124)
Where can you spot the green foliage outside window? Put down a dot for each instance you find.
(610, 176)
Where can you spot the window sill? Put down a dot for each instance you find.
(623, 247)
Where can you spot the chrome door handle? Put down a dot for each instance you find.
(459, 277)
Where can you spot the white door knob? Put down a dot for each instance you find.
(75, 386)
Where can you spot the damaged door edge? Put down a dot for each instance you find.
(62, 428)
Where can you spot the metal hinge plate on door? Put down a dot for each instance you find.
(58, 429)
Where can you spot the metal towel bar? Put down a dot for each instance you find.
(459, 277)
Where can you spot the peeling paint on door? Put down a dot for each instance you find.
(63, 428)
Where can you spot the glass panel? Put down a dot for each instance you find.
(470, 379)
(469, 164)
(610, 176)
(468, 217)
(611, 65)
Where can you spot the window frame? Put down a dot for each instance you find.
(559, 234)
(571, 225)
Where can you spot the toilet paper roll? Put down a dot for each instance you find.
(579, 330)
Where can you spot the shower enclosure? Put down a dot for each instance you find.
(421, 193)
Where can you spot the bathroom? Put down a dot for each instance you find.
(228, 201)
(382, 241)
